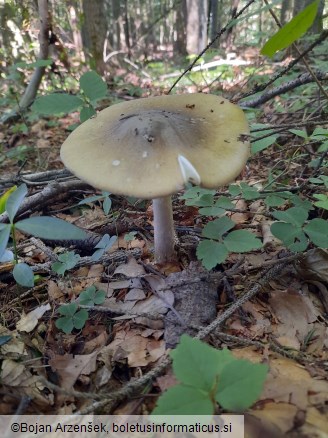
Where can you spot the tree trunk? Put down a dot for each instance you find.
(33, 86)
(196, 25)
(179, 45)
(215, 24)
(230, 32)
(94, 32)
(285, 11)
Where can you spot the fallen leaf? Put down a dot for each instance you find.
(28, 322)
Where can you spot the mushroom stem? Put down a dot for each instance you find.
(163, 230)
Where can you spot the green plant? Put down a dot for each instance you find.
(93, 88)
(295, 230)
(219, 242)
(72, 318)
(91, 296)
(42, 226)
(104, 197)
(209, 377)
(66, 261)
(104, 245)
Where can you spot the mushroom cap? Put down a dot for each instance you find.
(151, 147)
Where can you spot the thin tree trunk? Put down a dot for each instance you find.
(33, 86)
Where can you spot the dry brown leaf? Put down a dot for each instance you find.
(166, 381)
(131, 345)
(54, 291)
(95, 272)
(15, 375)
(130, 269)
(69, 367)
(96, 343)
(276, 418)
(315, 422)
(15, 347)
(295, 313)
(240, 218)
(314, 265)
(28, 322)
(135, 294)
(290, 382)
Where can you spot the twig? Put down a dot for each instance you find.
(262, 87)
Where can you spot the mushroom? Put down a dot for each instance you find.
(152, 147)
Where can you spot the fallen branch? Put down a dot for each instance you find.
(303, 79)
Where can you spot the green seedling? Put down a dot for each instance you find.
(66, 261)
(104, 197)
(209, 377)
(72, 318)
(42, 226)
(91, 296)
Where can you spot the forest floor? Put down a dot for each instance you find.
(98, 368)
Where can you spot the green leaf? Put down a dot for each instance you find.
(294, 215)
(205, 200)
(274, 201)
(7, 256)
(212, 211)
(248, 192)
(292, 236)
(68, 309)
(91, 296)
(234, 189)
(15, 200)
(23, 275)
(241, 241)
(211, 253)
(65, 262)
(93, 86)
(91, 199)
(87, 112)
(264, 143)
(183, 400)
(197, 364)
(291, 31)
(241, 383)
(216, 228)
(317, 230)
(299, 133)
(4, 197)
(301, 203)
(72, 318)
(65, 324)
(104, 245)
(4, 237)
(57, 103)
(323, 147)
(107, 205)
(224, 202)
(322, 201)
(80, 318)
(50, 228)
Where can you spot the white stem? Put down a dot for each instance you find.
(163, 230)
